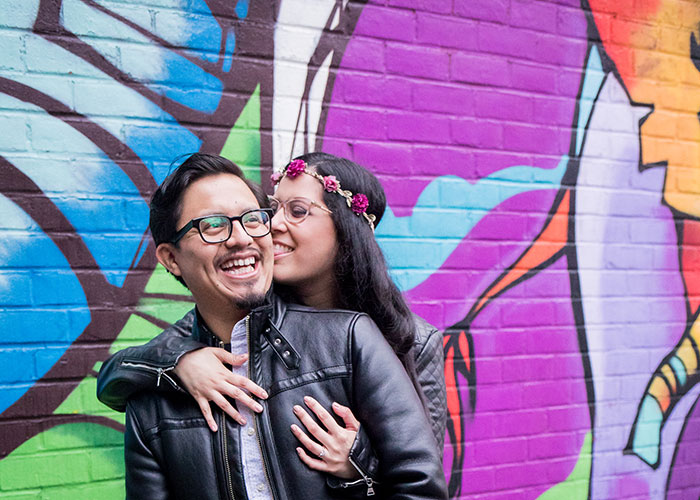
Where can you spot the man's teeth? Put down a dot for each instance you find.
(240, 266)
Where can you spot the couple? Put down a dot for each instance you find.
(293, 366)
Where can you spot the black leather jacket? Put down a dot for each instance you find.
(171, 453)
(430, 368)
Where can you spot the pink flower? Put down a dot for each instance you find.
(330, 183)
(275, 177)
(359, 203)
(295, 168)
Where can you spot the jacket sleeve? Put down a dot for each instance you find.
(146, 367)
(144, 476)
(430, 367)
(410, 465)
(364, 459)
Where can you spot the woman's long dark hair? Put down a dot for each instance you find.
(362, 279)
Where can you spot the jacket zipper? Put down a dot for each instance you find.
(368, 480)
(227, 466)
(255, 415)
(162, 372)
(224, 442)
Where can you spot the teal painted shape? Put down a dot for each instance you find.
(679, 369)
(446, 211)
(647, 432)
(592, 81)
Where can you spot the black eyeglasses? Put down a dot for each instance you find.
(218, 228)
(296, 210)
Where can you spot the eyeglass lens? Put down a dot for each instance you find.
(217, 228)
(295, 210)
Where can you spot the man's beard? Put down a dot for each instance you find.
(249, 302)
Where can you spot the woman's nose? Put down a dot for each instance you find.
(278, 221)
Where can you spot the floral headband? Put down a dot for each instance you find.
(358, 203)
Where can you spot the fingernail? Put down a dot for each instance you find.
(294, 428)
(258, 408)
(299, 451)
(264, 395)
(308, 399)
(297, 409)
(242, 421)
(336, 404)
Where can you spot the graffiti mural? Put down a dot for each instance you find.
(541, 162)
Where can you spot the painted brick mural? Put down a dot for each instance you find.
(542, 167)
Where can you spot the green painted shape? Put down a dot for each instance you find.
(136, 331)
(164, 309)
(574, 487)
(78, 461)
(83, 401)
(243, 143)
(162, 281)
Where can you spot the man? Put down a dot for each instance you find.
(212, 234)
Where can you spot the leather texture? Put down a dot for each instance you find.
(170, 452)
(430, 367)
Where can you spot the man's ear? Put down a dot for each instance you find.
(166, 253)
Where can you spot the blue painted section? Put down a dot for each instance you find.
(162, 70)
(647, 436)
(446, 211)
(679, 369)
(230, 48)
(242, 8)
(38, 322)
(592, 81)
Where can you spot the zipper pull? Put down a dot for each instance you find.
(160, 374)
(370, 489)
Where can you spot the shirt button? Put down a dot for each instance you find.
(251, 432)
(261, 487)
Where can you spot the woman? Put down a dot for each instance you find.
(326, 257)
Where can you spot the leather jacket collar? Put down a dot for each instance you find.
(263, 324)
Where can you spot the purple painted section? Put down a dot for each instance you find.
(631, 325)
(683, 481)
(517, 80)
(492, 245)
(531, 412)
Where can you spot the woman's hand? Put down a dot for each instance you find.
(331, 455)
(206, 378)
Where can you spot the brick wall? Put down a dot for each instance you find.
(541, 161)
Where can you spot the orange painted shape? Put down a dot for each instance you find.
(670, 376)
(686, 353)
(659, 390)
(551, 240)
(464, 349)
(453, 399)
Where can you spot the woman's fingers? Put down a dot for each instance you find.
(315, 464)
(206, 411)
(315, 429)
(222, 403)
(308, 443)
(240, 395)
(206, 378)
(326, 418)
(351, 423)
(248, 385)
(230, 358)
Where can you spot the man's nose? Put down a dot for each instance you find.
(239, 237)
